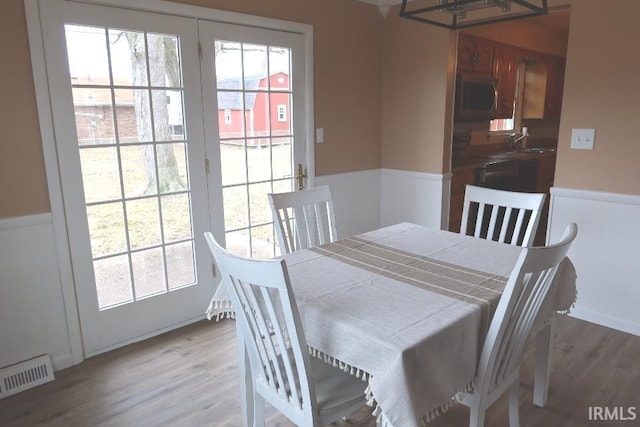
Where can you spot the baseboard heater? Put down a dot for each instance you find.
(25, 375)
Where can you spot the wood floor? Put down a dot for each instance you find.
(188, 378)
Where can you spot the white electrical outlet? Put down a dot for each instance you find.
(583, 139)
(319, 135)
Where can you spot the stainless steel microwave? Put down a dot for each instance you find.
(476, 98)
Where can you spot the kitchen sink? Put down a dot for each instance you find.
(537, 150)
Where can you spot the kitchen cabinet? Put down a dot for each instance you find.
(543, 87)
(555, 85)
(475, 55)
(459, 182)
(505, 68)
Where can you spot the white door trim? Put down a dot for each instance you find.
(45, 118)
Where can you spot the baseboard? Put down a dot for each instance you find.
(605, 320)
(62, 361)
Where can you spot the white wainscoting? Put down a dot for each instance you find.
(606, 254)
(420, 198)
(32, 312)
(356, 199)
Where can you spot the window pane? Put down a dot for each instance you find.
(113, 281)
(94, 116)
(134, 115)
(282, 159)
(125, 45)
(172, 167)
(176, 217)
(235, 207)
(164, 60)
(280, 114)
(148, 272)
(279, 68)
(257, 106)
(143, 222)
(228, 65)
(89, 64)
(100, 174)
(254, 61)
(237, 242)
(233, 163)
(259, 160)
(168, 120)
(231, 103)
(180, 266)
(262, 242)
(107, 230)
(260, 210)
(138, 170)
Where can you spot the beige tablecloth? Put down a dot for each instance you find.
(405, 308)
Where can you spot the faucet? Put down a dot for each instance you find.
(515, 141)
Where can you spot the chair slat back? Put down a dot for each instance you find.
(502, 216)
(303, 218)
(270, 325)
(526, 290)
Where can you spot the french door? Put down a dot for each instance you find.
(252, 80)
(159, 138)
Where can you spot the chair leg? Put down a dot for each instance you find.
(258, 410)
(514, 415)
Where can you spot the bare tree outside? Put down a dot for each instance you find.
(163, 66)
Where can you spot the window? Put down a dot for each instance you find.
(509, 125)
(282, 113)
(227, 115)
(501, 125)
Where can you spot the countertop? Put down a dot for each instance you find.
(467, 162)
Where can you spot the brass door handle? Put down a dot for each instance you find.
(300, 176)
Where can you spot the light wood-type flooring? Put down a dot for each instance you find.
(188, 378)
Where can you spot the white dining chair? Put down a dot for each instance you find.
(303, 218)
(502, 216)
(504, 346)
(306, 390)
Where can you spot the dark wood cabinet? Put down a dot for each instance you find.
(475, 55)
(555, 85)
(505, 69)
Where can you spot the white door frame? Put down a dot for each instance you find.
(45, 118)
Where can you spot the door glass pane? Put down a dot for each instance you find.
(113, 281)
(148, 272)
(101, 174)
(122, 44)
(233, 163)
(254, 117)
(94, 116)
(133, 112)
(136, 183)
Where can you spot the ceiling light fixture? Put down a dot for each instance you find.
(455, 14)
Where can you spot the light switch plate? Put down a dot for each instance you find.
(583, 139)
(319, 135)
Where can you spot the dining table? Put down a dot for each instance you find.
(406, 309)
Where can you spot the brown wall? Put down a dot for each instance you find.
(353, 95)
(417, 90)
(23, 184)
(347, 75)
(602, 91)
(526, 35)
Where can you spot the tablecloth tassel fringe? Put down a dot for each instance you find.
(337, 363)
(226, 312)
